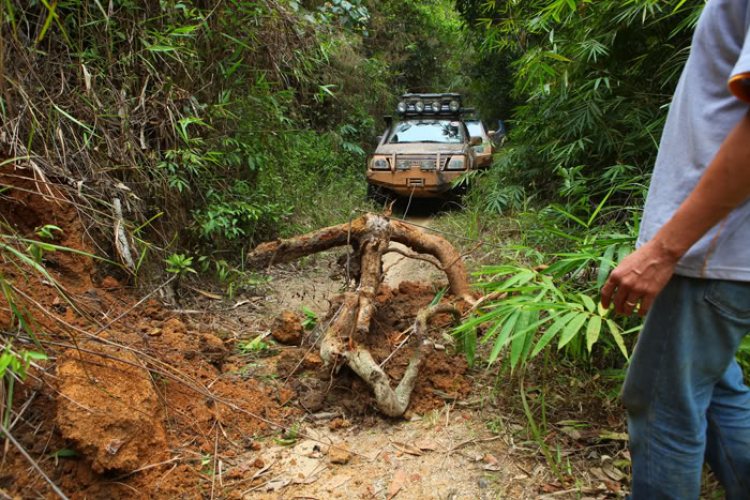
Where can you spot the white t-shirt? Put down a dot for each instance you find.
(711, 98)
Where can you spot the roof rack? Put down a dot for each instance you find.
(447, 104)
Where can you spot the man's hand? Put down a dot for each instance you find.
(639, 278)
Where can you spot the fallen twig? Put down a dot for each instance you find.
(412, 255)
(326, 415)
(33, 463)
(216, 455)
(137, 304)
(585, 491)
(410, 331)
(475, 440)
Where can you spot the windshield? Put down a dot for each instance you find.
(475, 128)
(427, 131)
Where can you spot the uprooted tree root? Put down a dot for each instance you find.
(342, 343)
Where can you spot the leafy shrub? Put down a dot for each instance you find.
(577, 241)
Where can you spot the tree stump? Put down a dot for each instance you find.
(342, 343)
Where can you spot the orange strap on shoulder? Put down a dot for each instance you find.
(739, 86)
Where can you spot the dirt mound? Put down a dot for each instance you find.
(98, 419)
(110, 410)
(25, 210)
(287, 329)
(443, 376)
(90, 419)
(164, 417)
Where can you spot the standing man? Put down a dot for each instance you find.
(684, 391)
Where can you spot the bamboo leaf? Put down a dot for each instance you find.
(530, 335)
(470, 347)
(472, 323)
(571, 329)
(552, 331)
(592, 331)
(516, 345)
(602, 311)
(615, 331)
(557, 56)
(623, 251)
(606, 265)
(502, 339)
(677, 7)
(588, 302)
(604, 200)
(570, 216)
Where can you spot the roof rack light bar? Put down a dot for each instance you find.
(432, 104)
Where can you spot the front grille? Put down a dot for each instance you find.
(423, 162)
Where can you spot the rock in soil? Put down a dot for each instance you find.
(287, 329)
(339, 454)
(174, 325)
(211, 343)
(212, 347)
(312, 394)
(110, 410)
(312, 361)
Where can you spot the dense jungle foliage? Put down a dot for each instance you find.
(213, 122)
(586, 87)
(184, 132)
(203, 127)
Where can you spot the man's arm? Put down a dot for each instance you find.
(724, 185)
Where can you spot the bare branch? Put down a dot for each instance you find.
(33, 462)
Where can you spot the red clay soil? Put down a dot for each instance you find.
(119, 418)
(126, 421)
(442, 376)
(442, 372)
(105, 422)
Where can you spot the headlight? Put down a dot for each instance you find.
(478, 149)
(401, 108)
(380, 165)
(403, 165)
(436, 107)
(456, 164)
(454, 106)
(419, 106)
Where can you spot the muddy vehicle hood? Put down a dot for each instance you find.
(421, 148)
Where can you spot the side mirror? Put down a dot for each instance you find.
(475, 141)
(500, 128)
(379, 139)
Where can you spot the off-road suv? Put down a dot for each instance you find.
(492, 141)
(424, 150)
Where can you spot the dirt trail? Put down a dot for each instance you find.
(399, 268)
(172, 414)
(311, 285)
(442, 451)
(446, 454)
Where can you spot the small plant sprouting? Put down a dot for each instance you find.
(36, 249)
(179, 264)
(48, 231)
(289, 436)
(254, 346)
(311, 319)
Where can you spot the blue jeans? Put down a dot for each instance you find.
(684, 393)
